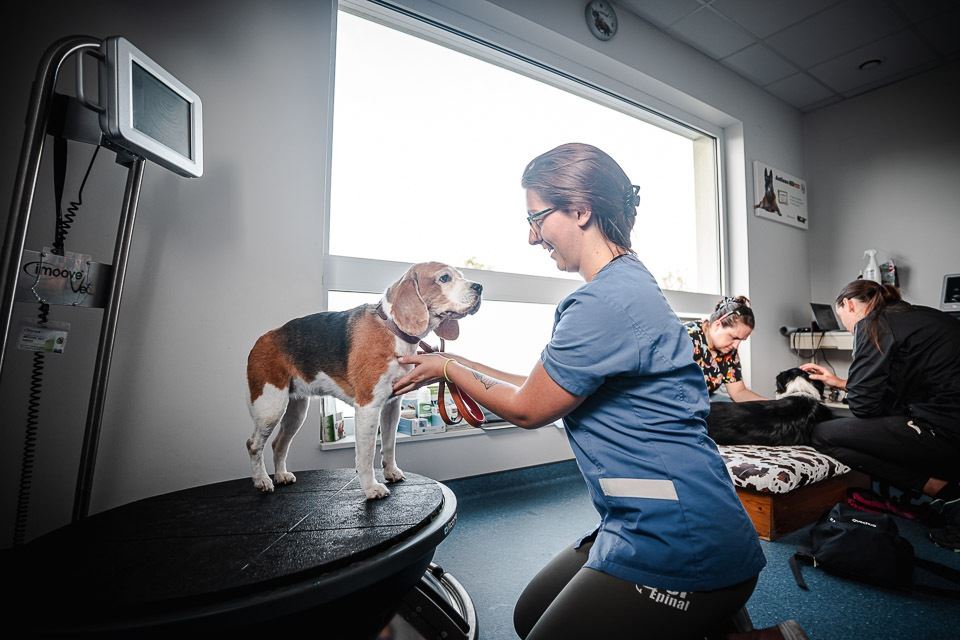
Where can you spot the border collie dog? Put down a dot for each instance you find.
(786, 421)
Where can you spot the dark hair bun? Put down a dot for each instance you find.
(890, 294)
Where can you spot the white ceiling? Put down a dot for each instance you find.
(809, 53)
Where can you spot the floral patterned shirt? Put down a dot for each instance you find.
(718, 369)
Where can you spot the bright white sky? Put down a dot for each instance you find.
(424, 135)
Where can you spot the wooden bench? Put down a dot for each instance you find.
(786, 488)
(777, 514)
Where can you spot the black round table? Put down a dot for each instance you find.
(315, 554)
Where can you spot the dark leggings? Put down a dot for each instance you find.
(568, 600)
(900, 450)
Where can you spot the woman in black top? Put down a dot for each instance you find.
(903, 388)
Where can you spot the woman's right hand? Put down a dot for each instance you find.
(824, 375)
(470, 364)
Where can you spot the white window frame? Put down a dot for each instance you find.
(370, 275)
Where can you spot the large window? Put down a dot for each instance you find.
(431, 133)
(429, 145)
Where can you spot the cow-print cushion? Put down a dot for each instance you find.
(778, 469)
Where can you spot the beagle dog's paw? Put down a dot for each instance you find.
(263, 483)
(376, 491)
(284, 478)
(393, 474)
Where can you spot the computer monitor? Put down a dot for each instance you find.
(149, 112)
(950, 293)
(825, 317)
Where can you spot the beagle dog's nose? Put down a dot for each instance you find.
(476, 286)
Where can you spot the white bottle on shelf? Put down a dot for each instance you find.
(872, 270)
(424, 403)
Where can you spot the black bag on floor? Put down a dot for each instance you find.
(867, 547)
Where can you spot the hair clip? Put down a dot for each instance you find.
(632, 196)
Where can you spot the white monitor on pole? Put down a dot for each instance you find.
(950, 293)
(148, 111)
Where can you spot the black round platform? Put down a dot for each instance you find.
(227, 555)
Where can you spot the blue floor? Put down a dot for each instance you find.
(510, 524)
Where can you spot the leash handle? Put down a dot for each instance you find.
(467, 407)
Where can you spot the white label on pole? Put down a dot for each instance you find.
(49, 338)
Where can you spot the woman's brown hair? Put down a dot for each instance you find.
(731, 311)
(580, 176)
(876, 297)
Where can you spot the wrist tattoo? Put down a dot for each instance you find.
(485, 380)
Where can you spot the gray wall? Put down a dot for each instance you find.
(884, 173)
(216, 261)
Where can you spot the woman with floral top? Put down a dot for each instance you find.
(715, 343)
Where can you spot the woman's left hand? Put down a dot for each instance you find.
(428, 368)
(824, 375)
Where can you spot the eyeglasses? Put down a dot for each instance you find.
(535, 220)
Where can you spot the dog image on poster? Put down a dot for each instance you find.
(780, 196)
(769, 201)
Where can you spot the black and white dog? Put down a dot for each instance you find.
(788, 420)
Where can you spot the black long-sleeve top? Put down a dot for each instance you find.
(915, 372)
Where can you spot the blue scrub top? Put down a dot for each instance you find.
(669, 515)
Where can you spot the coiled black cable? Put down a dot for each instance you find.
(30, 439)
(63, 224)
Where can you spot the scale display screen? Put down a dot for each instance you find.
(149, 112)
(950, 295)
(160, 112)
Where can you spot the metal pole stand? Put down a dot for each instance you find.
(38, 121)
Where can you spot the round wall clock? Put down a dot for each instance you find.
(601, 19)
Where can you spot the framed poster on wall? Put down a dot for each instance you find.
(779, 196)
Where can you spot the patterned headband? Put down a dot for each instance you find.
(728, 303)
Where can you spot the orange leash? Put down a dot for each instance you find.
(467, 407)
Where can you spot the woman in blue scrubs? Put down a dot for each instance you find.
(674, 554)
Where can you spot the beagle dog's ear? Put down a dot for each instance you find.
(448, 329)
(408, 309)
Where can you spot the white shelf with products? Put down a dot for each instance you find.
(458, 431)
(345, 420)
(812, 341)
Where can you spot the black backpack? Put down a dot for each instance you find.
(867, 547)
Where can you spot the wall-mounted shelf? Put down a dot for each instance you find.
(454, 432)
(402, 438)
(822, 340)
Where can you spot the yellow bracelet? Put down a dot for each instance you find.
(445, 377)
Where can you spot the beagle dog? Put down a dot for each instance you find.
(351, 355)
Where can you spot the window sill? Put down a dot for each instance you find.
(458, 431)
(402, 438)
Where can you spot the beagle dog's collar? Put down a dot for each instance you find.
(406, 337)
